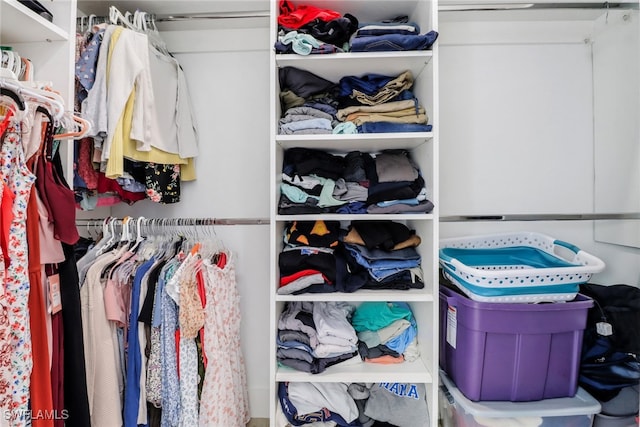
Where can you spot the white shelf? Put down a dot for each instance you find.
(406, 372)
(424, 152)
(352, 142)
(409, 295)
(337, 65)
(19, 24)
(355, 217)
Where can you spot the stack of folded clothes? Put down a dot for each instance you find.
(386, 252)
(371, 103)
(321, 257)
(395, 34)
(306, 120)
(380, 404)
(309, 403)
(387, 332)
(308, 103)
(307, 262)
(314, 181)
(379, 255)
(315, 335)
(377, 103)
(307, 29)
(395, 184)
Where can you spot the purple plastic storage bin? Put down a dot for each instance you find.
(511, 352)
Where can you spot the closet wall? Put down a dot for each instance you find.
(516, 136)
(519, 115)
(226, 63)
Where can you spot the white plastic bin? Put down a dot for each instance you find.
(458, 411)
(516, 267)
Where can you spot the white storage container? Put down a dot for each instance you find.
(458, 411)
(517, 267)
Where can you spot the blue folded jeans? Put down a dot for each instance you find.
(380, 28)
(377, 254)
(368, 84)
(393, 42)
(385, 127)
(380, 268)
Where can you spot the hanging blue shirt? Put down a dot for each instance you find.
(86, 65)
(134, 356)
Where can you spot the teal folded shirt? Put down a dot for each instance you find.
(374, 315)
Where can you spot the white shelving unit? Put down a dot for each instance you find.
(49, 45)
(424, 151)
(21, 25)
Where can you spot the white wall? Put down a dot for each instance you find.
(517, 131)
(516, 121)
(616, 127)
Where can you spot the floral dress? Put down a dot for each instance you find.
(224, 401)
(5, 329)
(17, 177)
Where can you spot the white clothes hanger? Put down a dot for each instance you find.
(117, 18)
(143, 21)
(125, 237)
(107, 236)
(113, 236)
(139, 237)
(10, 64)
(49, 99)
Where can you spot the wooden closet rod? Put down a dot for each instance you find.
(542, 217)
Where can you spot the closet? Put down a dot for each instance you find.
(537, 130)
(516, 108)
(423, 149)
(538, 133)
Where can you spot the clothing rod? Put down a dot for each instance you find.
(214, 15)
(542, 217)
(191, 17)
(186, 221)
(465, 6)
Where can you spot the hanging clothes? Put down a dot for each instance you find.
(104, 370)
(224, 394)
(41, 390)
(87, 321)
(37, 213)
(19, 180)
(175, 308)
(136, 95)
(75, 380)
